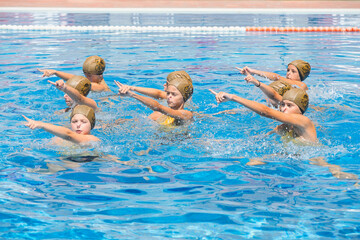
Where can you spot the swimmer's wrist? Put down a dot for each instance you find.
(258, 85)
(131, 94)
(40, 125)
(254, 71)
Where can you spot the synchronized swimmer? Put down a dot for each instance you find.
(82, 121)
(93, 69)
(178, 89)
(285, 93)
(287, 97)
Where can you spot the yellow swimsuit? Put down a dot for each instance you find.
(291, 136)
(287, 136)
(166, 120)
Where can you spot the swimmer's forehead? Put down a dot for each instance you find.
(79, 115)
(172, 89)
(287, 101)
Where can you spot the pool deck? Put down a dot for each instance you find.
(194, 4)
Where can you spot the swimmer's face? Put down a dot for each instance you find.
(69, 102)
(293, 73)
(287, 106)
(80, 124)
(174, 98)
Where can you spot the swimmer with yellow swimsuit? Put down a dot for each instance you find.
(159, 94)
(293, 105)
(93, 69)
(281, 93)
(179, 89)
(297, 72)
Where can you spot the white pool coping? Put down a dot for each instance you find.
(185, 10)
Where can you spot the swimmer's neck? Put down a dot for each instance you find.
(96, 79)
(179, 108)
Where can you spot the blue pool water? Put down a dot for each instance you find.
(192, 182)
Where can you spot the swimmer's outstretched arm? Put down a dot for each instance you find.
(59, 131)
(50, 72)
(273, 77)
(259, 108)
(267, 90)
(151, 92)
(304, 124)
(269, 75)
(74, 94)
(154, 105)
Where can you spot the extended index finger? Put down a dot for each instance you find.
(118, 84)
(27, 119)
(212, 91)
(52, 83)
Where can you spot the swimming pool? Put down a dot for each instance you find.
(152, 182)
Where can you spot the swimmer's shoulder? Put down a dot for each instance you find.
(89, 139)
(100, 86)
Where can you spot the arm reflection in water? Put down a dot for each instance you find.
(72, 162)
(334, 169)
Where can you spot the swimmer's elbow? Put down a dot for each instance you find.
(276, 77)
(156, 106)
(302, 85)
(187, 117)
(265, 111)
(70, 136)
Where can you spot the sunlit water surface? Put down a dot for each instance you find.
(150, 182)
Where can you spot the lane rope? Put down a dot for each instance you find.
(302, 29)
(177, 29)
